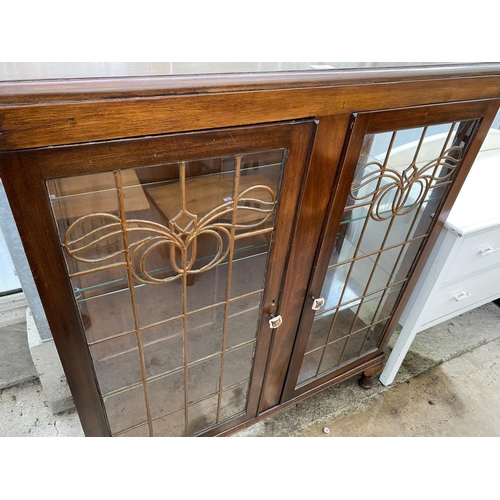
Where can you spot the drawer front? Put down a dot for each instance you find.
(467, 293)
(477, 252)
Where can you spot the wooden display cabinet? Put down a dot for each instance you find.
(209, 250)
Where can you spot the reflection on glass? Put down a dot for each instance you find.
(173, 425)
(248, 275)
(400, 181)
(332, 355)
(166, 394)
(117, 363)
(234, 401)
(243, 316)
(163, 347)
(170, 261)
(106, 315)
(203, 415)
(237, 365)
(205, 333)
(204, 378)
(126, 409)
(310, 364)
(139, 431)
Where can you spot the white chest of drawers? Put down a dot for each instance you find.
(463, 270)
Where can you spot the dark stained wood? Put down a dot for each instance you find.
(65, 161)
(104, 87)
(415, 116)
(369, 123)
(157, 120)
(323, 169)
(338, 196)
(296, 137)
(28, 199)
(288, 210)
(32, 126)
(366, 380)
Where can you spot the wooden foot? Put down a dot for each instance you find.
(365, 381)
(190, 280)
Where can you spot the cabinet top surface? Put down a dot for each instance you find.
(25, 71)
(21, 82)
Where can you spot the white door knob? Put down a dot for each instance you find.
(317, 303)
(275, 321)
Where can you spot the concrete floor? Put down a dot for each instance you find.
(453, 365)
(457, 398)
(16, 365)
(447, 386)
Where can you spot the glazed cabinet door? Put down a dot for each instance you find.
(396, 173)
(160, 262)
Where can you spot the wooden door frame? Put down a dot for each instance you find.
(29, 200)
(365, 123)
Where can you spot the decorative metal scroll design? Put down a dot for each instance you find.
(179, 237)
(391, 196)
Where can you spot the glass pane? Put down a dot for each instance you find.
(141, 431)
(388, 302)
(237, 365)
(163, 347)
(333, 353)
(248, 275)
(366, 277)
(203, 415)
(309, 367)
(126, 409)
(242, 320)
(172, 425)
(86, 211)
(175, 255)
(333, 287)
(117, 363)
(252, 245)
(166, 394)
(207, 288)
(100, 283)
(257, 188)
(319, 330)
(106, 315)
(399, 183)
(408, 255)
(205, 332)
(343, 320)
(156, 303)
(389, 263)
(343, 250)
(374, 335)
(234, 401)
(204, 378)
(354, 345)
(369, 310)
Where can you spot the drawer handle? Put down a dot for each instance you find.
(461, 296)
(487, 250)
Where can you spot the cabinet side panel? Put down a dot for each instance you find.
(26, 193)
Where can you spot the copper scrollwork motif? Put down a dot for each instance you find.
(180, 235)
(398, 193)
